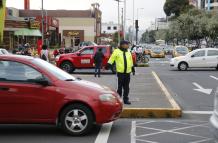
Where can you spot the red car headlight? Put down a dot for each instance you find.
(108, 98)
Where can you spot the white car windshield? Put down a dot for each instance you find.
(60, 74)
(183, 50)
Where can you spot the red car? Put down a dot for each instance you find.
(84, 58)
(34, 91)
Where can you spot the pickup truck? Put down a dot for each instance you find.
(84, 58)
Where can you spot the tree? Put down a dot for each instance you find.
(176, 7)
(148, 37)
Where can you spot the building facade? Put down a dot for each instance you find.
(2, 18)
(109, 28)
(211, 5)
(19, 31)
(74, 26)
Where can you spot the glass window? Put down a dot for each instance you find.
(55, 71)
(108, 28)
(14, 71)
(88, 51)
(104, 50)
(212, 53)
(115, 28)
(199, 54)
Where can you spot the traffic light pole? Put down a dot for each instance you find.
(137, 30)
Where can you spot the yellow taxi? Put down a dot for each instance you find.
(180, 51)
(157, 52)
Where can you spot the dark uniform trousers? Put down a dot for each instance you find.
(123, 85)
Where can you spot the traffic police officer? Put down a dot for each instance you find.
(124, 66)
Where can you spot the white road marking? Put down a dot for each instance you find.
(201, 89)
(166, 92)
(176, 130)
(104, 133)
(198, 112)
(133, 132)
(216, 78)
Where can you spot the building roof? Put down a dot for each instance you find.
(58, 13)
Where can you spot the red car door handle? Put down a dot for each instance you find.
(4, 89)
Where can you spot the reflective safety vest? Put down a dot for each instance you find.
(123, 60)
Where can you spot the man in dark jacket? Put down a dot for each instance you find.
(98, 58)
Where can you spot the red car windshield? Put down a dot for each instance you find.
(60, 74)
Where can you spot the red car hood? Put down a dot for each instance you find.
(92, 85)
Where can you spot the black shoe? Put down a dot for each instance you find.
(127, 102)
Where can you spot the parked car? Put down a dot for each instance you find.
(157, 52)
(180, 51)
(200, 58)
(87, 43)
(35, 91)
(147, 50)
(4, 52)
(84, 58)
(168, 50)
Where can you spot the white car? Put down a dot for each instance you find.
(3, 52)
(200, 58)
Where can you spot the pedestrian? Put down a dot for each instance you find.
(124, 66)
(98, 58)
(45, 55)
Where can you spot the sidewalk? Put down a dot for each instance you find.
(148, 95)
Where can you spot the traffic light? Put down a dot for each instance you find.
(137, 24)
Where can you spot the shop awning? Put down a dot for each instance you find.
(28, 32)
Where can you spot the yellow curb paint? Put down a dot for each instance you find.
(150, 113)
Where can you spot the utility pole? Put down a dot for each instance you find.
(42, 23)
(122, 21)
(133, 19)
(124, 25)
(118, 28)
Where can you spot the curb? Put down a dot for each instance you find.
(150, 113)
(174, 112)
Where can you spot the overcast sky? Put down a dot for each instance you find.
(152, 8)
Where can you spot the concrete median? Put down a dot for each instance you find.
(148, 95)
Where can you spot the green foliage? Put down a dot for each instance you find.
(194, 25)
(148, 37)
(176, 7)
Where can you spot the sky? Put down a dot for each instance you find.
(148, 9)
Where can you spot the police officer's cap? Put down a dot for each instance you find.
(124, 42)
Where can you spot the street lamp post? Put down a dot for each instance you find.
(118, 28)
(137, 28)
(124, 25)
(133, 20)
(138, 12)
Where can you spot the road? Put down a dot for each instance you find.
(192, 127)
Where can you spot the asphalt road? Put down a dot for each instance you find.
(191, 128)
(181, 84)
